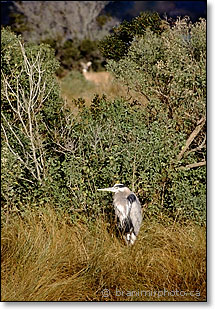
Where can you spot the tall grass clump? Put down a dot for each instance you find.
(47, 258)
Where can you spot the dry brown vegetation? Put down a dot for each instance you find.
(74, 86)
(45, 257)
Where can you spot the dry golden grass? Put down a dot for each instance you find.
(74, 86)
(47, 258)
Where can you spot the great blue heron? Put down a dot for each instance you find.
(127, 210)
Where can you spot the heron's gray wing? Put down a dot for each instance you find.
(135, 213)
(131, 198)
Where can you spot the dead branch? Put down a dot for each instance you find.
(195, 132)
(16, 154)
(195, 165)
(198, 148)
(26, 107)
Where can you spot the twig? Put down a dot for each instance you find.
(198, 148)
(25, 106)
(16, 154)
(195, 132)
(162, 197)
(195, 165)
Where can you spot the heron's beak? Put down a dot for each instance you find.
(108, 189)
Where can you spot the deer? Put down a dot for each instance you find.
(97, 78)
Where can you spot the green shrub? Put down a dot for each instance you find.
(170, 70)
(170, 67)
(105, 143)
(116, 45)
(31, 115)
(117, 142)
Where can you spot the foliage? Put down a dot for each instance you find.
(103, 19)
(170, 69)
(74, 51)
(31, 114)
(105, 143)
(116, 45)
(109, 143)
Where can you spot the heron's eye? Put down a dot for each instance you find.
(119, 185)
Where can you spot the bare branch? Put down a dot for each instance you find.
(198, 148)
(195, 132)
(16, 154)
(25, 106)
(195, 165)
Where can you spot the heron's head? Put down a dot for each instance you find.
(115, 189)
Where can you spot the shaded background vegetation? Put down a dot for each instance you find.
(67, 23)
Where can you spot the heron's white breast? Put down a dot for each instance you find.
(122, 210)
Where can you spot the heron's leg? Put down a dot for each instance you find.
(116, 218)
(126, 240)
(128, 237)
(132, 238)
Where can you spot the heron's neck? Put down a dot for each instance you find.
(122, 195)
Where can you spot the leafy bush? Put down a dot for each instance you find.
(31, 114)
(171, 67)
(105, 143)
(119, 142)
(170, 70)
(116, 45)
